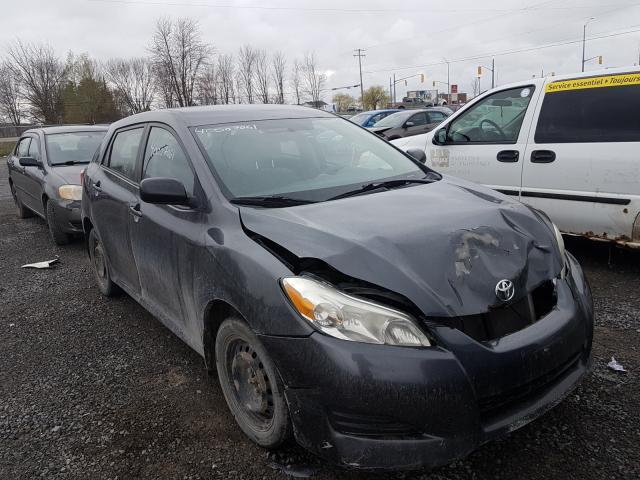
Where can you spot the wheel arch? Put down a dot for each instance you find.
(216, 312)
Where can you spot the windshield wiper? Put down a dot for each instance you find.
(273, 201)
(70, 162)
(377, 185)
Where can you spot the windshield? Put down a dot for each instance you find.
(394, 120)
(361, 118)
(310, 159)
(75, 147)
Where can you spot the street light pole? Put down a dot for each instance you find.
(584, 39)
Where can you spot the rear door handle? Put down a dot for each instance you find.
(96, 186)
(508, 156)
(543, 156)
(135, 210)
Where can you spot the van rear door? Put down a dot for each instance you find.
(582, 163)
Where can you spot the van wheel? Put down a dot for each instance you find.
(59, 236)
(21, 210)
(100, 266)
(251, 385)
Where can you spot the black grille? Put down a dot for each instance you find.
(371, 426)
(498, 322)
(489, 404)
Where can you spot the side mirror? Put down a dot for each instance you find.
(167, 191)
(440, 137)
(409, 124)
(418, 154)
(29, 162)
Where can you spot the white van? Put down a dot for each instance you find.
(568, 145)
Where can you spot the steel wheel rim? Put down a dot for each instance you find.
(250, 384)
(99, 265)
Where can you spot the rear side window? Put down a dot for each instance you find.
(587, 115)
(23, 147)
(164, 157)
(124, 152)
(436, 117)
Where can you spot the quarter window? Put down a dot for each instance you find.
(164, 157)
(23, 147)
(605, 114)
(124, 152)
(494, 119)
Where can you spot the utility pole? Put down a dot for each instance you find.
(394, 88)
(359, 53)
(448, 82)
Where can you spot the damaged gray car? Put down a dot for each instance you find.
(382, 314)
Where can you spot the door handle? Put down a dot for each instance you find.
(543, 156)
(508, 156)
(96, 186)
(135, 210)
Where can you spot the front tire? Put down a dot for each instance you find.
(100, 266)
(59, 236)
(251, 385)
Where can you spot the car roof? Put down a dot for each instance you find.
(217, 114)
(69, 129)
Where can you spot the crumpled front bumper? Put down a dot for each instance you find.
(384, 407)
(67, 214)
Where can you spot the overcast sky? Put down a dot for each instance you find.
(406, 37)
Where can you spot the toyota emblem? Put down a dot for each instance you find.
(505, 290)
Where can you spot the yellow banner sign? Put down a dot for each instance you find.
(594, 82)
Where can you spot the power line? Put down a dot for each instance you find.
(508, 52)
(381, 11)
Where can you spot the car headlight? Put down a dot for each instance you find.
(349, 318)
(70, 192)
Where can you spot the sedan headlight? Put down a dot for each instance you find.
(349, 318)
(70, 192)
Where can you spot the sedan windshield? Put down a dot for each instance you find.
(308, 159)
(395, 119)
(72, 148)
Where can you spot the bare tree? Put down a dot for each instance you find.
(208, 86)
(179, 56)
(133, 82)
(278, 69)
(262, 76)
(313, 80)
(226, 70)
(296, 80)
(42, 76)
(10, 105)
(247, 71)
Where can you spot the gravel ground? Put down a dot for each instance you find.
(96, 388)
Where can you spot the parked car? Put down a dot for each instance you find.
(410, 122)
(567, 145)
(44, 175)
(382, 314)
(369, 119)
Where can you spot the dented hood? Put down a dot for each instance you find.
(443, 245)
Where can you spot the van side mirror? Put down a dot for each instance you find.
(440, 137)
(28, 162)
(418, 154)
(167, 191)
